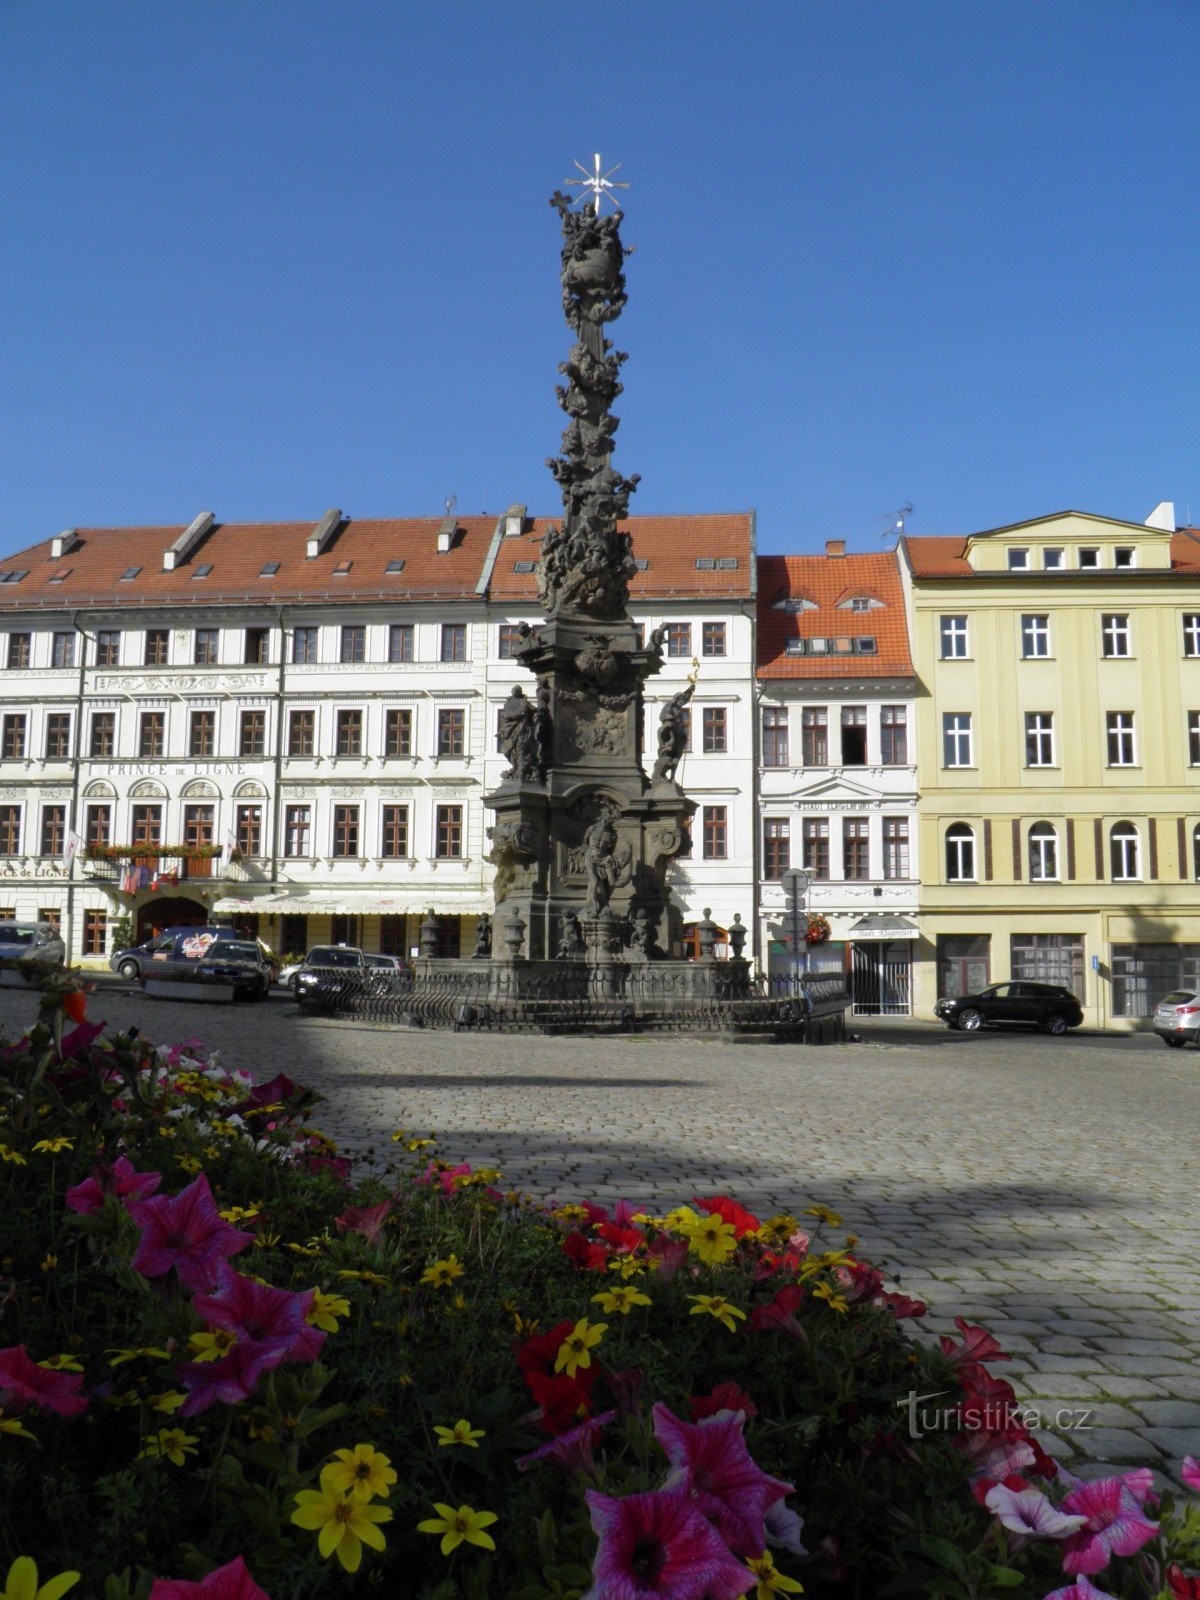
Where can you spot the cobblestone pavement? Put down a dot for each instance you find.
(1043, 1187)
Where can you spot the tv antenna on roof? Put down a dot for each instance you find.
(895, 521)
(451, 504)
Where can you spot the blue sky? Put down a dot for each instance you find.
(273, 257)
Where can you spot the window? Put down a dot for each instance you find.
(1194, 738)
(13, 747)
(53, 916)
(1191, 633)
(258, 647)
(1124, 852)
(1089, 559)
(204, 651)
(854, 736)
(960, 853)
(1196, 853)
(108, 648)
(448, 833)
(716, 833)
(1052, 558)
(304, 645)
(1039, 739)
(268, 569)
(1114, 635)
(10, 830)
(395, 833)
(345, 831)
(152, 734)
(348, 733)
(293, 934)
(252, 733)
(1035, 637)
(95, 933)
(62, 650)
(248, 830)
(157, 645)
(1018, 560)
(202, 733)
(1119, 726)
(19, 651)
(451, 732)
(954, 638)
(344, 928)
(1124, 556)
(856, 848)
(58, 736)
(202, 571)
(1043, 853)
(814, 736)
(509, 641)
(715, 732)
(814, 844)
(302, 732)
(98, 828)
(454, 641)
(893, 735)
(775, 736)
(400, 641)
(1055, 958)
(712, 639)
(395, 566)
(147, 824)
(679, 638)
(104, 734)
(297, 823)
(895, 847)
(397, 738)
(777, 847)
(354, 643)
(391, 936)
(54, 830)
(198, 832)
(956, 739)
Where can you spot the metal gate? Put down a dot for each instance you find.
(881, 978)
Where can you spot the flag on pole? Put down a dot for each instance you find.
(230, 847)
(72, 845)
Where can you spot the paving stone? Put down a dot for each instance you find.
(1172, 1414)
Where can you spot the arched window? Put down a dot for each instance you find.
(1043, 853)
(1124, 852)
(960, 853)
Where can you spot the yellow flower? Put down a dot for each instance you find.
(712, 1238)
(22, 1582)
(400, 1133)
(770, 1580)
(12, 1425)
(167, 1402)
(51, 1147)
(459, 1527)
(829, 1294)
(265, 1241)
(716, 1305)
(623, 1299)
(630, 1266)
(210, 1152)
(309, 1250)
(12, 1155)
(65, 1363)
(461, 1433)
(570, 1213)
(326, 1309)
(48, 1262)
(375, 1278)
(361, 1473)
(824, 1214)
(238, 1213)
(525, 1327)
(165, 1133)
(442, 1273)
(211, 1344)
(778, 1228)
(576, 1349)
(680, 1218)
(342, 1525)
(190, 1163)
(417, 1145)
(169, 1444)
(147, 1351)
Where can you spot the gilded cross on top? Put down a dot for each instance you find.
(597, 185)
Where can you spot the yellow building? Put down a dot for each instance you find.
(1058, 751)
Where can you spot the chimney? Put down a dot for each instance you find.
(62, 544)
(835, 547)
(1163, 516)
(188, 540)
(514, 521)
(447, 535)
(319, 538)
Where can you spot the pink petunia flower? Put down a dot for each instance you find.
(184, 1231)
(989, 1454)
(118, 1180)
(1191, 1473)
(1081, 1589)
(784, 1527)
(230, 1582)
(230, 1380)
(24, 1383)
(859, 1281)
(573, 1451)
(260, 1315)
(658, 1547)
(1031, 1513)
(367, 1220)
(712, 1462)
(724, 1397)
(624, 1212)
(670, 1255)
(1113, 1525)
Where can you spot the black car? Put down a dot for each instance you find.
(327, 972)
(239, 963)
(1037, 1005)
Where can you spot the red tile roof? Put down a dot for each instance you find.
(826, 580)
(947, 557)
(669, 545)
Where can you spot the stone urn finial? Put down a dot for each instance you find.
(429, 936)
(514, 935)
(706, 934)
(738, 933)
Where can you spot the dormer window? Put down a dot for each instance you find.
(860, 603)
(269, 569)
(727, 563)
(794, 604)
(201, 572)
(705, 564)
(524, 566)
(342, 569)
(1052, 559)
(395, 566)
(129, 574)
(13, 577)
(1089, 559)
(1018, 560)
(1124, 556)
(61, 576)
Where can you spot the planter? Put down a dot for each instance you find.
(9, 979)
(201, 993)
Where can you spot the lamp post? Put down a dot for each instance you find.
(796, 883)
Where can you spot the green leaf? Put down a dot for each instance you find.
(1004, 1577)
(944, 1554)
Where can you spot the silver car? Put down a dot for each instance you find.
(31, 941)
(1177, 1018)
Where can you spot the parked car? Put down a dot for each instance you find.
(1038, 1005)
(325, 969)
(31, 941)
(239, 962)
(1177, 1018)
(173, 954)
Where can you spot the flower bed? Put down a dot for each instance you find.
(230, 1366)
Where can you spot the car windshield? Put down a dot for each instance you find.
(243, 952)
(14, 935)
(335, 958)
(1177, 997)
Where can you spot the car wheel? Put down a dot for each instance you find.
(970, 1021)
(128, 969)
(1175, 1044)
(1055, 1023)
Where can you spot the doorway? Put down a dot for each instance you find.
(172, 912)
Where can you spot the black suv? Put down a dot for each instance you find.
(1038, 1005)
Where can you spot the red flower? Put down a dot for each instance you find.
(587, 1254)
(24, 1383)
(977, 1346)
(670, 1255)
(859, 1281)
(595, 1214)
(624, 1241)
(1181, 1586)
(739, 1219)
(75, 1005)
(367, 1220)
(118, 1180)
(184, 1231)
(564, 1401)
(903, 1305)
(230, 1582)
(779, 1312)
(537, 1354)
(725, 1397)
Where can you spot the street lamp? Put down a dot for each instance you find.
(796, 883)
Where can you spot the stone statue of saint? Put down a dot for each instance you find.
(606, 866)
(672, 734)
(641, 935)
(570, 935)
(516, 737)
(483, 937)
(543, 729)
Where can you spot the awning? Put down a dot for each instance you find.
(882, 927)
(353, 903)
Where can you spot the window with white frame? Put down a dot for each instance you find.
(1196, 853)
(1191, 633)
(1039, 739)
(1052, 558)
(1119, 728)
(960, 853)
(1043, 853)
(1035, 637)
(1018, 560)
(956, 739)
(1114, 635)
(1089, 558)
(895, 847)
(1125, 556)
(954, 638)
(1124, 852)
(1194, 738)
